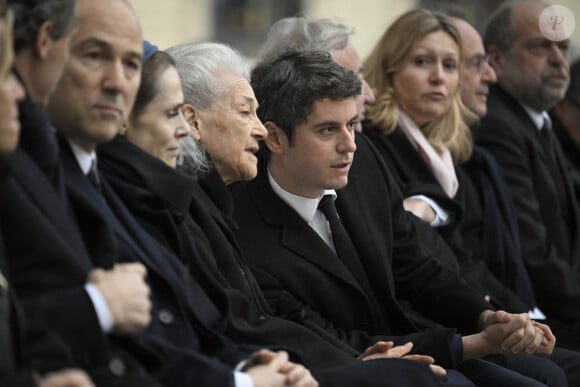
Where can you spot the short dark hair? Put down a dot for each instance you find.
(499, 31)
(287, 86)
(150, 74)
(30, 14)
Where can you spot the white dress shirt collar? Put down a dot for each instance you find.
(84, 159)
(538, 117)
(305, 207)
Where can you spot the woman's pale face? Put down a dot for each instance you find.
(10, 93)
(160, 125)
(230, 130)
(428, 79)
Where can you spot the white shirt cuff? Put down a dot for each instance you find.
(101, 307)
(536, 314)
(441, 216)
(242, 379)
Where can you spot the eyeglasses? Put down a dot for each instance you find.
(476, 63)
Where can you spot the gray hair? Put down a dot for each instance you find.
(29, 15)
(299, 33)
(193, 157)
(199, 66)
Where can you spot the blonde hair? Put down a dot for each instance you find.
(388, 56)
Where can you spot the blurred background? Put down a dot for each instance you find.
(244, 23)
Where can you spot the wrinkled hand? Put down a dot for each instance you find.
(269, 369)
(420, 209)
(66, 378)
(511, 334)
(387, 349)
(127, 295)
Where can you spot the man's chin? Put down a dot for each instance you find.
(105, 132)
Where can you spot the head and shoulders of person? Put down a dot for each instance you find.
(477, 76)
(98, 87)
(307, 104)
(140, 163)
(41, 43)
(403, 71)
(146, 149)
(531, 68)
(220, 109)
(329, 35)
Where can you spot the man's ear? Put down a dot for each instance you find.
(277, 141)
(44, 40)
(496, 60)
(191, 116)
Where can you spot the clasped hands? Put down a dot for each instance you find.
(501, 333)
(515, 334)
(126, 294)
(273, 369)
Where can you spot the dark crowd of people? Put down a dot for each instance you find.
(192, 217)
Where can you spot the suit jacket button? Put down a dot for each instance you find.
(166, 317)
(117, 367)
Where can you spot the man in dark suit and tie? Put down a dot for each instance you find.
(296, 258)
(532, 76)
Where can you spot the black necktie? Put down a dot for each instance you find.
(346, 252)
(94, 177)
(559, 169)
(549, 141)
(342, 242)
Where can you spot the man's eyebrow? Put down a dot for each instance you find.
(334, 123)
(326, 123)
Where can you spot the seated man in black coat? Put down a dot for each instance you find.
(532, 76)
(310, 152)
